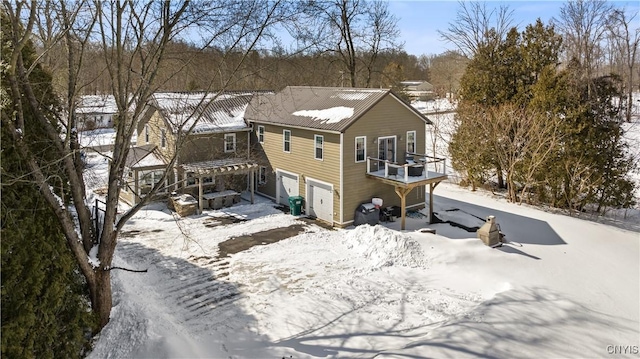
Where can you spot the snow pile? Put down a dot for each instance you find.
(329, 115)
(385, 247)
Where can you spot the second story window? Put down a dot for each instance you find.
(146, 134)
(286, 140)
(319, 146)
(361, 148)
(229, 142)
(411, 141)
(163, 138)
(260, 132)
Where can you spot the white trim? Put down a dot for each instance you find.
(395, 146)
(297, 127)
(284, 141)
(315, 153)
(309, 197)
(232, 135)
(415, 140)
(355, 143)
(342, 174)
(258, 128)
(278, 182)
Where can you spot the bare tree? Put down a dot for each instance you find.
(446, 71)
(476, 25)
(626, 41)
(355, 30)
(132, 37)
(583, 26)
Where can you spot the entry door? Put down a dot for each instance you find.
(321, 201)
(288, 186)
(387, 148)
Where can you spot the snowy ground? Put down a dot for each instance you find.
(562, 287)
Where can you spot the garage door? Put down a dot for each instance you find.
(320, 200)
(287, 186)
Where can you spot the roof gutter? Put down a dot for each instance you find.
(294, 126)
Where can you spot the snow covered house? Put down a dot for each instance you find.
(339, 148)
(207, 135)
(95, 111)
(418, 90)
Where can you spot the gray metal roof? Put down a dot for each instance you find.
(205, 112)
(324, 108)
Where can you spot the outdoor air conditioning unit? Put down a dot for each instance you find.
(490, 233)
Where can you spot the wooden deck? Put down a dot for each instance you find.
(407, 176)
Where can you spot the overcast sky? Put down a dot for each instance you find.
(420, 20)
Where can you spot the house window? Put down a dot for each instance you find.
(229, 142)
(163, 138)
(319, 146)
(146, 133)
(286, 141)
(207, 180)
(150, 179)
(411, 141)
(260, 132)
(361, 148)
(262, 175)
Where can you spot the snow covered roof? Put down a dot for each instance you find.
(435, 106)
(325, 108)
(91, 104)
(143, 157)
(206, 112)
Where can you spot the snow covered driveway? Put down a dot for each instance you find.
(564, 288)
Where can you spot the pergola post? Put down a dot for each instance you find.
(200, 193)
(251, 182)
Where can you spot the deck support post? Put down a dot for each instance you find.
(432, 186)
(402, 193)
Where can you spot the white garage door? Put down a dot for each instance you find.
(287, 186)
(320, 200)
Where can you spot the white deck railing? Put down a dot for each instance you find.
(389, 169)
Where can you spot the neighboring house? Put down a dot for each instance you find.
(339, 148)
(95, 111)
(207, 135)
(418, 90)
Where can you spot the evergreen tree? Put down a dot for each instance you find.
(44, 301)
(508, 89)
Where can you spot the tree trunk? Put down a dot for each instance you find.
(101, 300)
(499, 175)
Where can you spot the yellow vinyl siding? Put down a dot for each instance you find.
(388, 118)
(301, 160)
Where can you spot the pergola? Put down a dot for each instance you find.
(221, 167)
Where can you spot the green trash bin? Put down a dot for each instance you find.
(295, 204)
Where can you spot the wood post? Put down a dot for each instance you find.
(252, 182)
(200, 193)
(402, 192)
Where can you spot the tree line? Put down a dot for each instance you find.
(547, 129)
